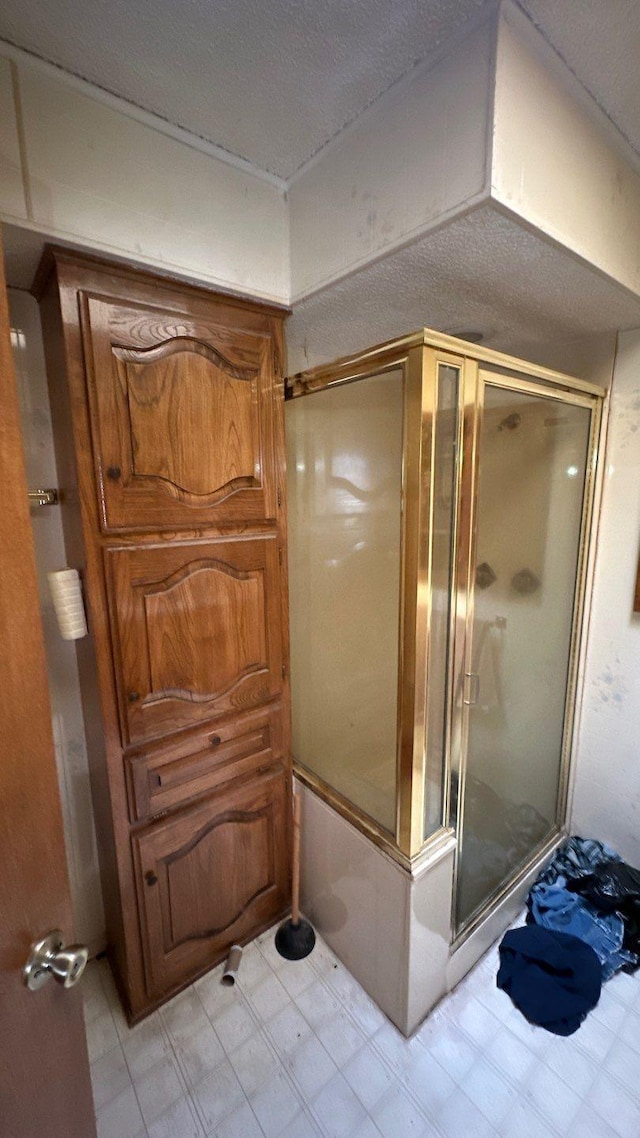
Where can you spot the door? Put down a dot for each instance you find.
(44, 1070)
(199, 631)
(532, 476)
(211, 876)
(181, 417)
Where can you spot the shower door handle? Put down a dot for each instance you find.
(471, 689)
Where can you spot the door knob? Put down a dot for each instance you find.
(49, 957)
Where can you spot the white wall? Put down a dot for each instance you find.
(417, 158)
(81, 167)
(606, 802)
(495, 118)
(64, 689)
(555, 163)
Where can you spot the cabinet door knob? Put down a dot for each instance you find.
(134, 696)
(150, 877)
(215, 740)
(113, 472)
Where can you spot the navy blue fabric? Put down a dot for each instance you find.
(554, 979)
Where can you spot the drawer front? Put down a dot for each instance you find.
(161, 779)
(211, 875)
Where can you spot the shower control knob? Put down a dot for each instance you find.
(50, 957)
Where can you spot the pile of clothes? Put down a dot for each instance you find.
(583, 925)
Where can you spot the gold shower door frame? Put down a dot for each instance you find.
(419, 357)
(564, 390)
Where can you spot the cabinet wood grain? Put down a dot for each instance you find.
(167, 405)
(170, 774)
(182, 418)
(210, 875)
(198, 629)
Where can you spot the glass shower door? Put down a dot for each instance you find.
(531, 470)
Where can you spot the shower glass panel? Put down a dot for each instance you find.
(345, 501)
(533, 453)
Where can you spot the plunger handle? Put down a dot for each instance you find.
(295, 869)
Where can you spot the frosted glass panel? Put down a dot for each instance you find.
(345, 483)
(532, 458)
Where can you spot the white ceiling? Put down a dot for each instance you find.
(273, 80)
(599, 40)
(269, 80)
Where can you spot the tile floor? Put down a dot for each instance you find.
(298, 1050)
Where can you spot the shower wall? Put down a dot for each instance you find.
(64, 690)
(606, 800)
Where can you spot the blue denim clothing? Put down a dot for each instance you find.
(577, 857)
(554, 907)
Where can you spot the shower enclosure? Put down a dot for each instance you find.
(440, 504)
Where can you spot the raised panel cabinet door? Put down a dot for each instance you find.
(211, 876)
(181, 418)
(198, 631)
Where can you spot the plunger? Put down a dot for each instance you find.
(295, 938)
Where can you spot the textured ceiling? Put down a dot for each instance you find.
(269, 80)
(482, 272)
(273, 80)
(599, 40)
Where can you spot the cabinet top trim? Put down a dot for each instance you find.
(55, 256)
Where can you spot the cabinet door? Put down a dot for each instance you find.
(212, 876)
(198, 631)
(181, 414)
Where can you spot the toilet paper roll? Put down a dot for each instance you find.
(66, 593)
(230, 974)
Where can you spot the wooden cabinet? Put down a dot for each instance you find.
(210, 875)
(167, 409)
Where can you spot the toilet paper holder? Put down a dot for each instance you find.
(43, 497)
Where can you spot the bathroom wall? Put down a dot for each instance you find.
(78, 165)
(557, 161)
(606, 801)
(419, 156)
(68, 729)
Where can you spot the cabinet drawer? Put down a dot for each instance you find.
(166, 777)
(210, 876)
